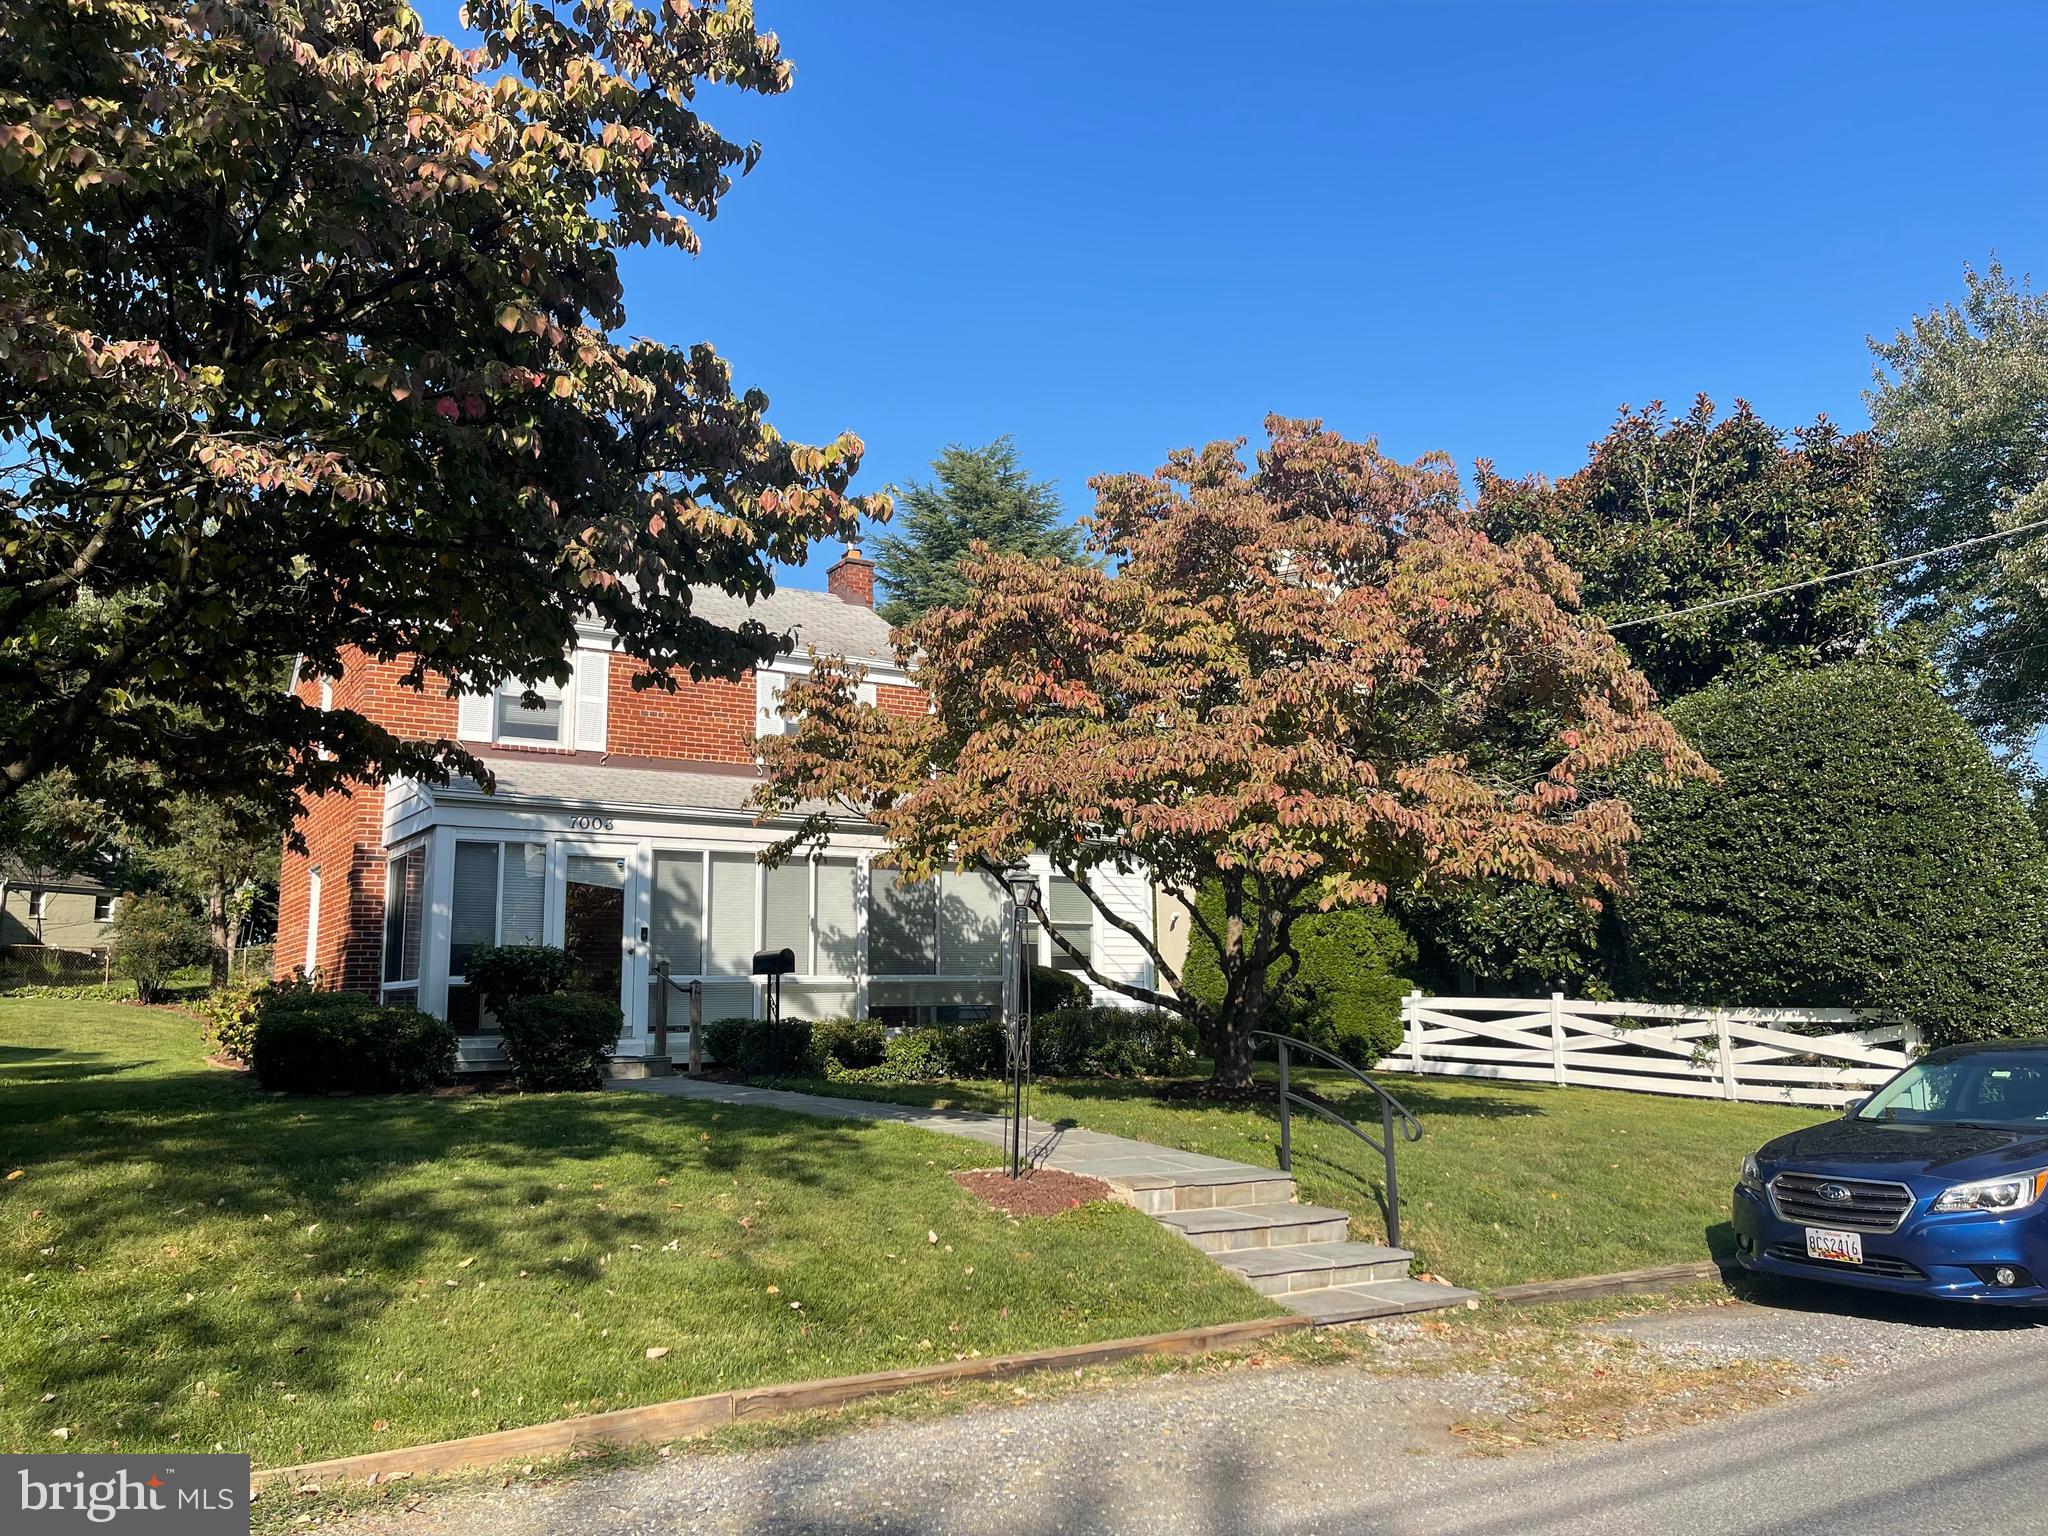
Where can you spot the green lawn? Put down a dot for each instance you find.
(1510, 1181)
(184, 1262)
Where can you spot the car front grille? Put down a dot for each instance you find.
(1869, 1205)
(1873, 1264)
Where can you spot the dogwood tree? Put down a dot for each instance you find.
(309, 340)
(1299, 680)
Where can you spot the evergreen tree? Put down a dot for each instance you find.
(980, 493)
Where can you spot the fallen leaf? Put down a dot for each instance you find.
(381, 1425)
(16, 1174)
(467, 1262)
(931, 1236)
(657, 1351)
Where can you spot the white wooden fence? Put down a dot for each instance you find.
(1822, 1056)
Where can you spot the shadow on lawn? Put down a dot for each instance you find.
(309, 1219)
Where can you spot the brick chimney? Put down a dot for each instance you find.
(852, 579)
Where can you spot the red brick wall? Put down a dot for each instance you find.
(899, 700)
(344, 835)
(707, 722)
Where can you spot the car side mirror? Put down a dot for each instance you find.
(1854, 1106)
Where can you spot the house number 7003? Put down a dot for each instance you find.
(590, 823)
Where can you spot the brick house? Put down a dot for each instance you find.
(620, 828)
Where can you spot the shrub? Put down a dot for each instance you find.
(760, 1047)
(1054, 991)
(1862, 850)
(152, 936)
(978, 1048)
(1346, 994)
(230, 1013)
(504, 973)
(915, 1056)
(1111, 1042)
(853, 1043)
(560, 1042)
(328, 1042)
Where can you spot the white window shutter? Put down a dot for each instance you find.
(593, 697)
(768, 718)
(473, 717)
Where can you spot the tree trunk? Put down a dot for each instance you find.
(1234, 1042)
(220, 930)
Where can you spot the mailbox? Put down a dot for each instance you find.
(774, 964)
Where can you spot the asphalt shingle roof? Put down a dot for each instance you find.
(817, 619)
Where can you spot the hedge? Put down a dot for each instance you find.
(1862, 850)
(560, 1042)
(343, 1042)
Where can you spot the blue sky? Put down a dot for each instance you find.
(1112, 229)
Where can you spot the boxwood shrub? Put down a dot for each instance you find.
(560, 1042)
(759, 1047)
(343, 1042)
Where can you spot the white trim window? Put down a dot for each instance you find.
(404, 897)
(38, 904)
(311, 962)
(769, 683)
(540, 713)
(498, 896)
(103, 907)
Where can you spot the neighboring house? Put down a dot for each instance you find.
(621, 829)
(54, 911)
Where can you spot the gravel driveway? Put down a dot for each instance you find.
(1900, 1417)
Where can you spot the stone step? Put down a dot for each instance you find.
(1388, 1298)
(1316, 1266)
(1201, 1189)
(1225, 1229)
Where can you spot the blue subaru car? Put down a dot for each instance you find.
(1932, 1186)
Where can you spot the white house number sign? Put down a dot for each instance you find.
(590, 823)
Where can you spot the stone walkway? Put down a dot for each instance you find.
(1243, 1217)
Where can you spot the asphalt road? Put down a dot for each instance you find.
(1918, 1420)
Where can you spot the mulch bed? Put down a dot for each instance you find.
(1041, 1192)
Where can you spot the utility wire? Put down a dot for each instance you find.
(1822, 581)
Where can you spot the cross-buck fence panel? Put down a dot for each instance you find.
(1820, 1056)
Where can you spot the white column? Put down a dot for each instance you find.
(437, 921)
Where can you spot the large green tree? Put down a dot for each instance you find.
(309, 340)
(1862, 849)
(981, 495)
(1274, 684)
(1671, 514)
(218, 852)
(1962, 400)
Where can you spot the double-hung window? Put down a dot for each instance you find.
(540, 713)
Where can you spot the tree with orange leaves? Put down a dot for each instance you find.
(1311, 681)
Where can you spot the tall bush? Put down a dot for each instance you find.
(152, 937)
(1356, 965)
(1862, 850)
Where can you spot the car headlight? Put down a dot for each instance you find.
(1751, 1178)
(2014, 1192)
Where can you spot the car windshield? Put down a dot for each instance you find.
(2003, 1088)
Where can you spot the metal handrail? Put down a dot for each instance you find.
(1393, 1114)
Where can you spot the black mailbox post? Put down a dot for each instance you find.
(774, 964)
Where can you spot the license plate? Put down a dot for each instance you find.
(1842, 1247)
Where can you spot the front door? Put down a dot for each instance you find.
(597, 908)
